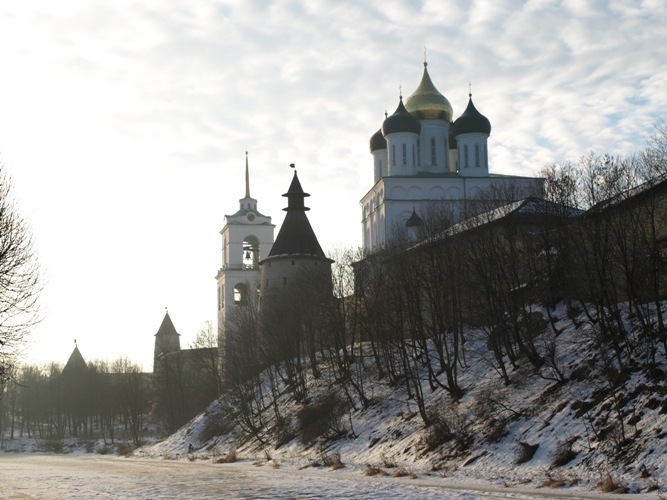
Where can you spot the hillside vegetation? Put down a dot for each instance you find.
(583, 431)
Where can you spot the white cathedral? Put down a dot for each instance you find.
(420, 156)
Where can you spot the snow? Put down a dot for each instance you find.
(88, 476)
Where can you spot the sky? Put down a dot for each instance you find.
(124, 126)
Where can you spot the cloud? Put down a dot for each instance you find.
(126, 122)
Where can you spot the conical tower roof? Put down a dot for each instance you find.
(296, 236)
(75, 364)
(167, 327)
(426, 103)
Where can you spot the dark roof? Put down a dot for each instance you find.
(452, 137)
(378, 141)
(527, 206)
(401, 121)
(75, 364)
(658, 181)
(296, 236)
(167, 327)
(472, 121)
(414, 220)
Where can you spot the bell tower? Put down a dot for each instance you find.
(247, 238)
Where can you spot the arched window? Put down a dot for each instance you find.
(413, 154)
(477, 155)
(405, 155)
(241, 294)
(465, 156)
(433, 158)
(250, 252)
(393, 155)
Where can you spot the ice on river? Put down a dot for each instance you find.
(89, 476)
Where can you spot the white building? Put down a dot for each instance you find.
(247, 238)
(421, 156)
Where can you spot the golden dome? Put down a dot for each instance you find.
(426, 103)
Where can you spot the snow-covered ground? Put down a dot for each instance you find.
(90, 476)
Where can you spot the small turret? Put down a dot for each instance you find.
(472, 130)
(166, 339)
(401, 130)
(413, 225)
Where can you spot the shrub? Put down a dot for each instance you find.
(103, 450)
(53, 446)
(332, 461)
(447, 425)
(282, 431)
(124, 450)
(216, 424)
(564, 453)
(322, 418)
(525, 452)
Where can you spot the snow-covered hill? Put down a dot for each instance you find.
(581, 434)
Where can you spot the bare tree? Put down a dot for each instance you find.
(19, 281)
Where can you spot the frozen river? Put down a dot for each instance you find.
(93, 476)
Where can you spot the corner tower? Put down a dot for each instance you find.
(166, 340)
(247, 238)
(295, 251)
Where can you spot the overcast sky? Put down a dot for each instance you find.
(124, 125)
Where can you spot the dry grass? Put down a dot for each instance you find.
(403, 472)
(610, 485)
(227, 459)
(375, 471)
(273, 463)
(336, 463)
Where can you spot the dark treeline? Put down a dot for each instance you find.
(113, 401)
(595, 241)
(87, 401)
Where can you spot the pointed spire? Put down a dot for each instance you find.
(247, 177)
(295, 196)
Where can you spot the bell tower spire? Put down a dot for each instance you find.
(247, 177)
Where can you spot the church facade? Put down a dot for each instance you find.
(422, 156)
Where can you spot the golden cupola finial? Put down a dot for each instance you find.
(426, 103)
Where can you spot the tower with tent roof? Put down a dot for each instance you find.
(167, 340)
(422, 157)
(296, 250)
